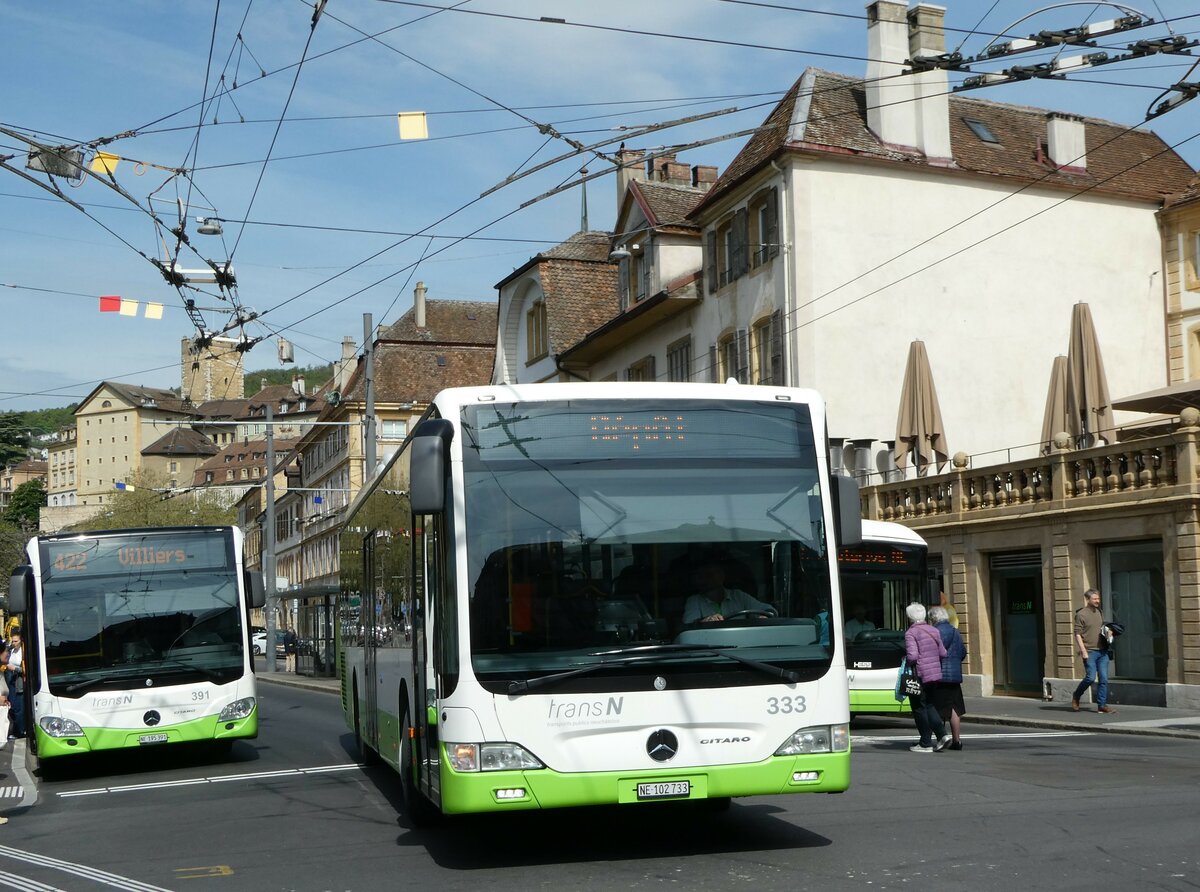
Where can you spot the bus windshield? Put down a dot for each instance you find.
(597, 530)
(121, 611)
(879, 579)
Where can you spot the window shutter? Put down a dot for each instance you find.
(778, 372)
(647, 274)
(741, 239)
(623, 284)
(710, 267)
(743, 356)
(651, 374)
(714, 369)
(771, 236)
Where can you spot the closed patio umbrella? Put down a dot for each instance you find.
(1088, 405)
(1055, 421)
(919, 428)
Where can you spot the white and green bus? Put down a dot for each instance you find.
(880, 577)
(136, 638)
(521, 617)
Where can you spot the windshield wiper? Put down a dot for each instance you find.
(648, 653)
(720, 650)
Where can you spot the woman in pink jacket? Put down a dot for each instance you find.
(924, 650)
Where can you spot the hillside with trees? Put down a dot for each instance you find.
(314, 375)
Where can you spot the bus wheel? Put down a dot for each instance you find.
(362, 750)
(419, 810)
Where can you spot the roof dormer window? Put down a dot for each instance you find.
(981, 130)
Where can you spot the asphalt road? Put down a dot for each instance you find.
(291, 811)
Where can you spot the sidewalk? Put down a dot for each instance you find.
(1020, 711)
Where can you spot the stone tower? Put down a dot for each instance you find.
(214, 372)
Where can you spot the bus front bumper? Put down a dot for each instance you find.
(206, 728)
(472, 792)
(876, 703)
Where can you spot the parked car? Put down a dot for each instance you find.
(258, 643)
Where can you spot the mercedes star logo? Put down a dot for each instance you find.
(662, 745)
(152, 718)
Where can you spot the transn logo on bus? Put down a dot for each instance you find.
(109, 702)
(586, 709)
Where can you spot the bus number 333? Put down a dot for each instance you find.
(785, 705)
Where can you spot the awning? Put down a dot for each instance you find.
(1055, 420)
(1088, 402)
(919, 428)
(1165, 400)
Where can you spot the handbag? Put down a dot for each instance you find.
(907, 683)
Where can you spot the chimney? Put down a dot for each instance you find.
(262, 383)
(298, 385)
(927, 37)
(346, 364)
(677, 173)
(1066, 141)
(419, 304)
(703, 176)
(889, 98)
(632, 168)
(658, 166)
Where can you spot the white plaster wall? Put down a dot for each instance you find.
(654, 343)
(676, 256)
(992, 317)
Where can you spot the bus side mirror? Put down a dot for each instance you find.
(256, 591)
(430, 455)
(847, 510)
(19, 585)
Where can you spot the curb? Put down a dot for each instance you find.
(300, 683)
(1052, 725)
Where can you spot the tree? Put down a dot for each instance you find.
(12, 549)
(27, 500)
(14, 438)
(148, 503)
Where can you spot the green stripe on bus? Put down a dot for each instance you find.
(480, 791)
(206, 728)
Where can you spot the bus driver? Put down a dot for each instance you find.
(714, 602)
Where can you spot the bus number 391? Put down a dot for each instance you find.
(785, 705)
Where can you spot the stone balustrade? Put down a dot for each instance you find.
(1065, 479)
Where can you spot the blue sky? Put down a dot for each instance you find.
(75, 75)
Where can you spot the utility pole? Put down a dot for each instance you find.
(369, 393)
(268, 559)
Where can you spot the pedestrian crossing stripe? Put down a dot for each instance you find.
(10, 792)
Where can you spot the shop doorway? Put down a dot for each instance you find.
(1020, 653)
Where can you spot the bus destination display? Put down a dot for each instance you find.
(136, 554)
(877, 557)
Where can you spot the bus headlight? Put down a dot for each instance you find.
(238, 709)
(819, 739)
(490, 757)
(59, 727)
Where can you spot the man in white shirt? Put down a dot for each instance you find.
(714, 602)
(858, 623)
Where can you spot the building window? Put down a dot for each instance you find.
(639, 273)
(229, 474)
(1191, 262)
(1131, 577)
(981, 130)
(208, 476)
(174, 466)
(730, 358)
(537, 343)
(725, 253)
(679, 360)
(642, 370)
(393, 430)
(764, 227)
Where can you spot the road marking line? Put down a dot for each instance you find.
(25, 884)
(904, 738)
(200, 873)
(219, 779)
(80, 870)
(11, 792)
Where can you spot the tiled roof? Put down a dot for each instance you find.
(29, 466)
(182, 441)
(447, 322)
(235, 456)
(580, 297)
(1187, 196)
(274, 394)
(589, 245)
(1133, 164)
(669, 204)
(222, 408)
(416, 373)
(138, 396)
